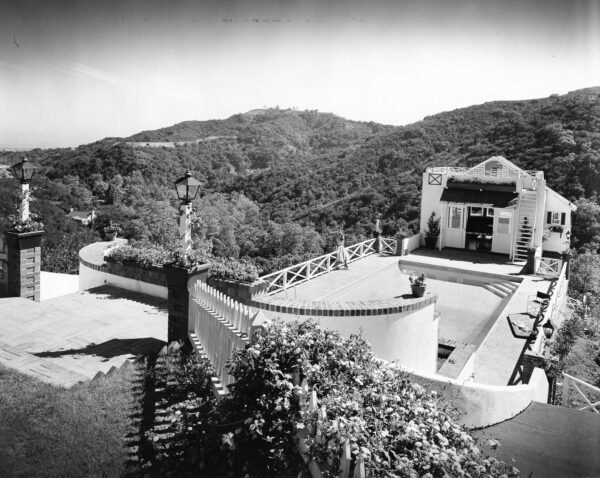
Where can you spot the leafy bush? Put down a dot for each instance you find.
(433, 227)
(397, 427)
(33, 224)
(229, 268)
(144, 256)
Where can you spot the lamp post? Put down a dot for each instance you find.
(23, 171)
(187, 189)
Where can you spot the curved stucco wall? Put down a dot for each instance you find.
(409, 337)
(483, 405)
(93, 272)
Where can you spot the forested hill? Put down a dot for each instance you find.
(316, 171)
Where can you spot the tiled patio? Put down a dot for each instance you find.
(69, 339)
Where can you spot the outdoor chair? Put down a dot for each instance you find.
(535, 303)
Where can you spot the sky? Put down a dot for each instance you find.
(73, 72)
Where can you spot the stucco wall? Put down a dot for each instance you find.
(409, 337)
(483, 405)
(90, 278)
(430, 201)
(557, 242)
(94, 272)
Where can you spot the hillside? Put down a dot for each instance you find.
(269, 171)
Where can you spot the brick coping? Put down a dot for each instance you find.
(472, 272)
(323, 308)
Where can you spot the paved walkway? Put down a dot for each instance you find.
(71, 338)
(546, 441)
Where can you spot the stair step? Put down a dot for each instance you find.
(495, 290)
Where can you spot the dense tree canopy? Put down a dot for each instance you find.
(271, 174)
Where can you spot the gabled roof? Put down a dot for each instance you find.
(500, 159)
(80, 214)
(512, 166)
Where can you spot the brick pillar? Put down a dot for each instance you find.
(179, 297)
(23, 263)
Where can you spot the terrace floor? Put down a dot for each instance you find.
(69, 339)
(470, 313)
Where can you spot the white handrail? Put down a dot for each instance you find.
(572, 382)
(304, 271)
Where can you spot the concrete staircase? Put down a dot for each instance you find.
(502, 289)
(526, 223)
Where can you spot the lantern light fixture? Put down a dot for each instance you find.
(187, 188)
(548, 329)
(23, 171)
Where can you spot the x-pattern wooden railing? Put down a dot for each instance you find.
(549, 266)
(584, 389)
(304, 271)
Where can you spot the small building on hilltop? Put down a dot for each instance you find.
(496, 207)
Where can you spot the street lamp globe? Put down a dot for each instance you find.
(187, 188)
(23, 171)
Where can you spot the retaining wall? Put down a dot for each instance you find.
(95, 272)
(483, 405)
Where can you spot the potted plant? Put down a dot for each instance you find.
(433, 231)
(402, 234)
(417, 285)
(112, 231)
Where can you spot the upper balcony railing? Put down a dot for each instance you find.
(488, 173)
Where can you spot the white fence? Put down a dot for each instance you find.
(549, 266)
(298, 273)
(217, 326)
(584, 391)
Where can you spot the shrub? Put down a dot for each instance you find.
(433, 227)
(397, 427)
(229, 268)
(142, 255)
(33, 224)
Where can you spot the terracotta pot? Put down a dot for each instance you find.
(418, 290)
(110, 236)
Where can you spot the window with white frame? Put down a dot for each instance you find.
(476, 211)
(554, 218)
(490, 212)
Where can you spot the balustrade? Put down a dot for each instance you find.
(298, 273)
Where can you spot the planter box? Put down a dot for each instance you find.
(241, 291)
(149, 274)
(24, 240)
